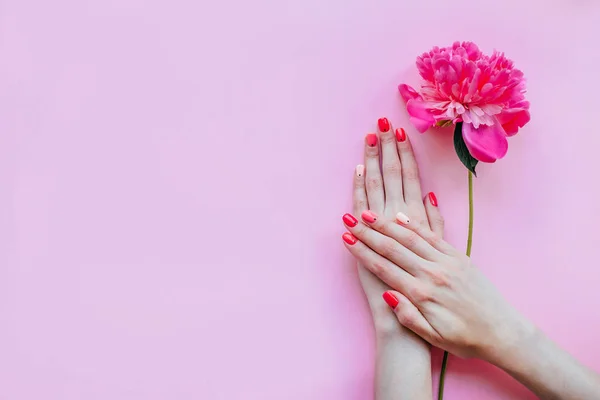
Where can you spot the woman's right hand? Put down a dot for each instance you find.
(439, 294)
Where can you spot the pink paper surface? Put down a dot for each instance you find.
(173, 176)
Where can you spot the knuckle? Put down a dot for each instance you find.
(388, 247)
(392, 168)
(406, 319)
(420, 295)
(378, 268)
(360, 204)
(439, 277)
(411, 173)
(438, 220)
(434, 240)
(374, 183)
(411, 239)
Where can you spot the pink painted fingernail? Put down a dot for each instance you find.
(391, 300)
(369, 216)
(349, 238)
(350, 220)
(402, 218)
(384, 124)
(372, 139)
(400, 135)
(360, 170)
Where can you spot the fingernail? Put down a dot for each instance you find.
(433, 199)
(350, 220)
(384, 124)
(369, 216)
(349, 238)
(391, 300)
(360, 170)
(400, 135)
(402, 218)
(372, 140)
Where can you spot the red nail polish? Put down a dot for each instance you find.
(369, 216)
(350, 220)
(372, 139)
(391, 300)
(384, 124)
(349, 238)
(433, 199)
(400, 135)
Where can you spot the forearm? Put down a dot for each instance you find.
(403, 365)
(548, 371)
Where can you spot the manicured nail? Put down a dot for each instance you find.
(433, 199)
(400, 135)
(402, 218)
(391, 300)
(360, 170)
(384, 124)
(369, 216)
(350, 220)
(372, 139)
(349, 238)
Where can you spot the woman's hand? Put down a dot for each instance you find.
(403, 364)
(393, 188)
(439, 294)
(444, 299)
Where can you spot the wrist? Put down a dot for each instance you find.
(513, 345)
(386, 324)
(510, 342)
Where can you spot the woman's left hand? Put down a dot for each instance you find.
(394, 188)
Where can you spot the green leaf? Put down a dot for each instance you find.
(461, 150)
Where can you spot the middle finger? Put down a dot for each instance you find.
(391, 167)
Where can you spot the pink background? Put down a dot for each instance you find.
(173, 173)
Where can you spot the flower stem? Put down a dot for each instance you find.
(469, 246)
(470, 237)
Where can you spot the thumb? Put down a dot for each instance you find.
(409, 315)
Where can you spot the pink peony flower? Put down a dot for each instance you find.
(485, 93)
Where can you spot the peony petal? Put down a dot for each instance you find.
(487, 143)
(513, 119)
(420, 116)
(408, 93)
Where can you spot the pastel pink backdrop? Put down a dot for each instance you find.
(173, 173)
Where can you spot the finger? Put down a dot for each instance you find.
(434, 216)
(390, 165)
(373, 180)
(410, 171)
(403, 232)
(426, 233)
(385, 270)
(409, 316)
(359, 197)
(384, 245)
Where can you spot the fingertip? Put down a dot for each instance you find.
(349, 239)
(369, 216)
(371, 140)
(383, 124)
(391, 299)
(359, 171)
(402, 219)
(400, 135)
(432, 199)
